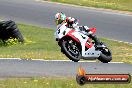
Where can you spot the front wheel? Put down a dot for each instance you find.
(105, 56)
(71, 49)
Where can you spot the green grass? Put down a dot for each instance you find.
(54, 83)
(109, 4)
(41, 44)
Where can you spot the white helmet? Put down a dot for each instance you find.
(59, 18)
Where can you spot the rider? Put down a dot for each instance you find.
(61, 18)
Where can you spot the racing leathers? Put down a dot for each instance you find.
(73, 23)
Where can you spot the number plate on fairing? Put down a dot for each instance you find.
(80, 36)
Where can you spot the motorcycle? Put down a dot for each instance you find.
(76, 45)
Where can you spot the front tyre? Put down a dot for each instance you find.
(105, 56)
(71, 49)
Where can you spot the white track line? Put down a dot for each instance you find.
(10, 58)
(59, 60)
(120, 41)
(68, 61)
(49, 60)
(37, 0)
(116, 62)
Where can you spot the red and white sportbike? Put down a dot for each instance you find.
(76, 45)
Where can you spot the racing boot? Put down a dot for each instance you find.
(97, 41)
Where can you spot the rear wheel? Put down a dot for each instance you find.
(105, 56)
(71, 49)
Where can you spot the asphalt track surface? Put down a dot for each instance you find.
(37, 68)
(109, 25)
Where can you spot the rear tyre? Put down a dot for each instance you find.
(71, 49)
(105, 56)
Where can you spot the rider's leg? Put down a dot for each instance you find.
(94, 37)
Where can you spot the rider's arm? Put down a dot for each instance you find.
(72, 22)
(90, 31)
